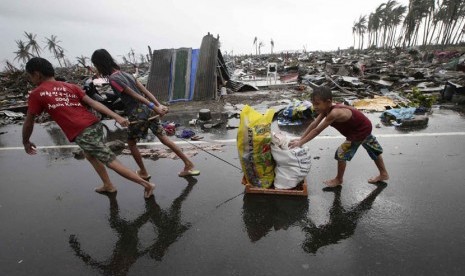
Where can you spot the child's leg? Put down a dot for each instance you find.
(375, 151)
(188, 165)
(132, 144)
(102, 172)
(341, 167)
(383, 174)
(128, 174)
(344, 153)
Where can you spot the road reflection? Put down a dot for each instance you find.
(262, 213)
(341, 224)
(126, 251)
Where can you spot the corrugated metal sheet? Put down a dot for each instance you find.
(159, 79)
(185, 74)
(206, 77)
(181, 70)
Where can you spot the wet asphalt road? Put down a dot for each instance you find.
(52, 223)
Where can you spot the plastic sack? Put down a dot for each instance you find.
(294, 112)
(254, 146)
(292, 165)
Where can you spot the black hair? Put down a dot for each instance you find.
(41, 65)
(104, 62)
(323, 93)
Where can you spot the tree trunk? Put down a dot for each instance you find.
(460, 30)
(439, 33)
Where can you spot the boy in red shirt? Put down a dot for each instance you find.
(351, 123)
(64, 102)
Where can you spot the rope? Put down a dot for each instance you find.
(211, 154)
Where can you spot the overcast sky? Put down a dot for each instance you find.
(85, 25)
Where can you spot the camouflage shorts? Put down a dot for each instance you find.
(91, 142)
(139, 130)
(347, 150)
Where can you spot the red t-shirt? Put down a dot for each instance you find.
(357, 128)
(63, 102)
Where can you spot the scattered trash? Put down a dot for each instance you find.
(156, 153)
(186, 134)
(404, 117)
(12, 114)
(294, 113)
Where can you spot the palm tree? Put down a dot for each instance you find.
(260, 45)
(396, 19)
(10, 67)
(387, 18)
(379, 18)
(460, 29)
(256, 45)
(132, 56)
(411, 22)
(61, 55)
(354, 31)
(23, 53)
(54, 48)
(32, 43)
(272, 45)
(82, 60)
(455, 10)
(142, 58)
(429, 6)
(372, 27)
(361, 29)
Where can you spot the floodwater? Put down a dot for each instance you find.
(53, 223)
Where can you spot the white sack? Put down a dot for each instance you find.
(292, 165)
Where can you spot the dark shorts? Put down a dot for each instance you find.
(347, 150)
(91, 142)
(139, 130)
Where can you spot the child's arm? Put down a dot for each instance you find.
(105, 110)
(322, 123)
(28, 127)
(156, 106)
(149, 95)
(313, 125)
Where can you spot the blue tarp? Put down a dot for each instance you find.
(194, 65)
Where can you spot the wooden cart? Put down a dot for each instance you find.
(300, 190)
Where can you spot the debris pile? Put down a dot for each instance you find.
(352, 75)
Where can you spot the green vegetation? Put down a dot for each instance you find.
(423, 22)
(418, 99)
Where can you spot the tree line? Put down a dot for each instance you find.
(31, 48)
(422, 22)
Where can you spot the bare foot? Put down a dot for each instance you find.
(379, 178)
(149, 190)
(105, 189)
(333, 182)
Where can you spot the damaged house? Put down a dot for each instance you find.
(187, 74)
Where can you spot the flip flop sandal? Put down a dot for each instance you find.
(147, 178)
(189, 173)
